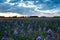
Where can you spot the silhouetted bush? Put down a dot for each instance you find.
(33, 16)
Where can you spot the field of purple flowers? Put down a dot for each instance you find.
(29, 29)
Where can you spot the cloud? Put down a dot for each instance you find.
(27, 4)
(47, 1)
(2, 1)
(7, 1)
(30, 7)
(4, 6)
(47, 15)
(14, 1)
(10, 14)
(52, 11)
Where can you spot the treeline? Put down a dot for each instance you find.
(30, 17)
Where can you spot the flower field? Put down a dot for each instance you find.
(30, 29)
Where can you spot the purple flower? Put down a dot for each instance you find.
(15, 32)
(39, 30)
(4, 38)
(15, 22)
(58, 30)
(44, 29)
(49, 31)
(29, 26)
(38, 38)
(30, 30)
(13, 26)
(22, 32)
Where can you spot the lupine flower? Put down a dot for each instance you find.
(15, 32)
(44, 22)
(49, 32)
(58, 30)
(22, 32)
(4, 38)
(39, 30)
(38, 38)
(13, 26)
(29, 26)
(30, 30)
(44, 29)
(15, 22)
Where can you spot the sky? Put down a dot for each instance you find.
(39, 8)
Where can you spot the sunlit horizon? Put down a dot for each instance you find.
(10, 14)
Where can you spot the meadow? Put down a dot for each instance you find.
(29, 28)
